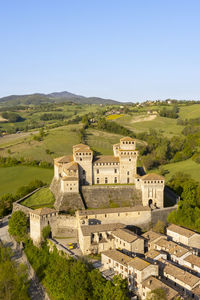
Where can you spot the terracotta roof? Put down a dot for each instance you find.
(81, 146)
(106, 159)
(43, 211)
(152, 254)
(193, 259)
(64, 159)
(125, 234)
(196, 290)
(117, 145)
(183, 276)
(153, 283)
(151, 235)
(71, 166)
(152, 176)
(181, 230)
(88, 229)
(171, 247)
(127, 139)
(138, 264)
(83, 150)
(112, 210)
(69, 178)
(118, 256)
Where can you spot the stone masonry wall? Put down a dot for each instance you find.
(161, 214)
(106, 195)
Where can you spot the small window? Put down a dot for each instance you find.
(129, 159)
(106, 180)
(97, 171)
(83, 172)
(97, 180)
(115, 170)
(80, 158)
(115, 181)
(127, 172)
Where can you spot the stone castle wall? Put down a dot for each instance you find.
(106, 195)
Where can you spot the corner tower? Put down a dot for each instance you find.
(128, 160)
(83, 155)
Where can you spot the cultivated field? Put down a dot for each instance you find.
(14, 177)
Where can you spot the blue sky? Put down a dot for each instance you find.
(128, 50)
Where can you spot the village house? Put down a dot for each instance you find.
(180, 278)
(136, 270)
(184, 236)
(151, 238)
(154, 255)
(192, 262)
(152, 283)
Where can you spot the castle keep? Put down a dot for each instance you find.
(71, 173)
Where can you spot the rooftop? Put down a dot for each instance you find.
(106, 159)
(138, 263)
(71, 166)
(193, 259)
(151, 235)
(181, 230)
(184, 276)
(112, 210)
(152, 253)
(127, 139)
(88, 229)
(43, 211)
(64, 159)
(172, 248)
(153, 283)
(125, 234)
(152, 176)
(118, 256)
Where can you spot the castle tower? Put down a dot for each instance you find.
(152, 187)
(40, 218)
(83, 155)
(128, 160)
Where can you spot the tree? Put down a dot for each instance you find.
(17, 226)
(157, 294)
(159, 227)
(46, 232)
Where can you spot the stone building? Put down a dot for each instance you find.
(184, 236)
(39, 218)
(82, 169)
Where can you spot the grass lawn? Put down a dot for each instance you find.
(14, 177)
(187, 166)
(43, 197)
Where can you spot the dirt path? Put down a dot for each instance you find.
(143, 118)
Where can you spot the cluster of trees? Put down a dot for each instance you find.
(195, 121)
(14, 281)
(188, 211)
(12, 161)
(6, 200)
(170, 113)
(52, 116)
(12, 117)
(76, 280)
(114, 127)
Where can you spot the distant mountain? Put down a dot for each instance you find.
(56, 97)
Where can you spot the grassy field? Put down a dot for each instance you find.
(14, 177)
(187, 166)
(59, 141)
(43, 197)
(166, 126)
(189, 112)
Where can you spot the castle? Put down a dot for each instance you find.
(71, 173)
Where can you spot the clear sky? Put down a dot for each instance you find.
(128, 50)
